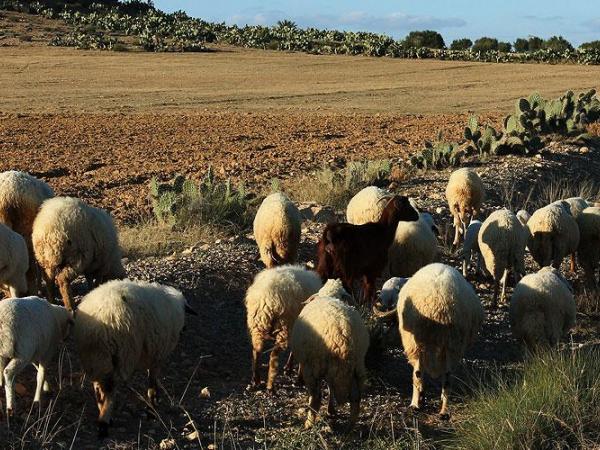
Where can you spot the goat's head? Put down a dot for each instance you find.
(398, 209)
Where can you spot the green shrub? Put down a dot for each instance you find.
(557, 44)
(184, 203)
(553, 403)
(461, 44)
(485, 44)
(521, 45)
(427, 39)
(438, 155)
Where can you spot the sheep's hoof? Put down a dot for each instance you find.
(444, 416)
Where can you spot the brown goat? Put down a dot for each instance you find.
(352, 252)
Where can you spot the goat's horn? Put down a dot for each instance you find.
(385, 315)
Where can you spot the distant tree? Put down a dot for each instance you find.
(461, 44)
(594, 45)
(485, 44)
(427, 38)
(286, 24)
(505, 47)
(557, 43)
(535, 43)
(521, 45)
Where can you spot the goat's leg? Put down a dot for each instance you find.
(12, 369)
(445, 393)
(417, 386)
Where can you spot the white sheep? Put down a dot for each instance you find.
(502, 240)
(20, 198)
(277, 228)
(71, 238)
(273, 303)
(388, 296)
(553, 234)
(588, 251)
(439, 317)
(330, 341)
(415, 245)
(31, 331)
(14, 262)
(123, 326)
(542, 309)
(465, 194)
(470, 246)
(367, 205)
(574, 205)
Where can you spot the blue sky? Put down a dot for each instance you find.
(577, 20)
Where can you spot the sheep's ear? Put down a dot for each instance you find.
(189, 310)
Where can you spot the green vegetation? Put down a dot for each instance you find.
(553, 403)
(183, 203)
(154, 30)
(336, 187)
(461, 44)
(438, 155)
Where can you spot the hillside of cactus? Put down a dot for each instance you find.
(108, 25)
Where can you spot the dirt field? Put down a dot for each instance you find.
(56, 80)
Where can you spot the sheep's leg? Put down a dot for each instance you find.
(273, 365)
(354, 403)
(465, 264)
(104, 391)
(331, 402)
(257, 347)
(314, 402)
(503, 281)
(457, 230)
(41, 375)
(445, 393)
(496, 292)
(14, 367)
(368, 290)
(50, 287)
(153, 385)
(299, 376)
(417, 386)
(63, 280)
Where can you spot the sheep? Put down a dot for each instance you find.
(470, 246)
(71, 238)
(351, 252)
(465, 194)
(439, 317)
(415, 245)
(123, 326)
(502, 241)
(388, 296)
(277, 230)
(523, 216)
(574, 205)
(14, 262)
(588, 251)
(553, 234)
(20, 198)
(31, 331)
(330, 341)
(542, 309)
(367, 205)
(273, 303)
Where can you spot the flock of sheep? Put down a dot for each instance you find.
(122, 325)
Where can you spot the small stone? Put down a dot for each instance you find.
(584, 150)
(218, 241)
(205, 247)
(440, 210)
(205, 393)
(193, 436)
(211, 447)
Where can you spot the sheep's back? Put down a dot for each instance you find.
(439, 316)
(279, 293)
(277, 218)
(502, 241)
(414, 246)
(556, 221)
(124, 325)
(367, 205)
(465, 188)
(14, 256)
